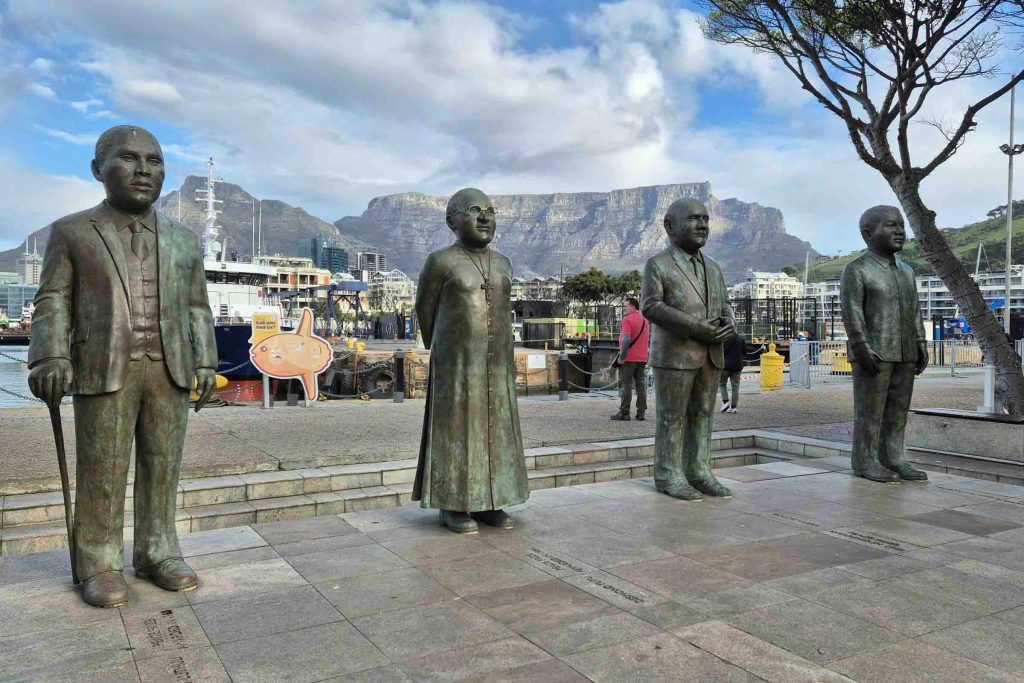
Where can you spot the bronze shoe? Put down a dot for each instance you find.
(712, 487)
(622, 417)
(640, 416)
(106, 589)
(879, 474)
(459, 522)
(495, 518)
(171, 574)
(908, 473)
(682, 492)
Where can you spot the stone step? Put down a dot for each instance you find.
(991, 469)
(50, 534)
(40, 508)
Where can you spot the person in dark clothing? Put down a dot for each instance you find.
(735, 356)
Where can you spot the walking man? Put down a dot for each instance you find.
(632, 359)
(735, 351)
(122, 322)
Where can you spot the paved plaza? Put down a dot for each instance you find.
(807, 574)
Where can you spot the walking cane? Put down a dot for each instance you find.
(62, 462)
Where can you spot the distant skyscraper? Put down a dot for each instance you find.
(372, 262)
(334, 258)
(30, 265)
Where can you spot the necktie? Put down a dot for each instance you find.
(138, 242)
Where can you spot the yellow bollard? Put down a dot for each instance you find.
(350, 343)
(360, 346)
(771, 370)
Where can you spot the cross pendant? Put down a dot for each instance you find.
(487, 287)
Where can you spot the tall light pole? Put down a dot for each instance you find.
(1010, 151)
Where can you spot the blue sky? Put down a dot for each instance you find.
(326, 105)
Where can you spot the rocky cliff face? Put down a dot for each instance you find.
(283, 225)
(614, 231)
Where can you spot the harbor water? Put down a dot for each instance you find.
(14, 377)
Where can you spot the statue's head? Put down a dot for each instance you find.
(686, 224)
(130, 164)
(470, 215)
(883, 230)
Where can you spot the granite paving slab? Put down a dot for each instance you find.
(608, 582)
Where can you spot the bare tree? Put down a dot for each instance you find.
(874, 63)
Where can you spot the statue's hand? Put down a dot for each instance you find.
(726, 330)
(922, 358)
(51, 380)
(707, 331)
(206, 384)
(866, 358)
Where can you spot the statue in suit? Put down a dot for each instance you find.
(685, 299)
(122, 322)
(887, 345)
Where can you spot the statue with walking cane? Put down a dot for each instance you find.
(122, 322)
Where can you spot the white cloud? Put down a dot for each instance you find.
(83, 106)
(30, 200)
(80, 139)
(327, 104)
(43, 66)
(41, 91)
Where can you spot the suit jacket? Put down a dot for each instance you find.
(82, 306)
(880, 307)
(673, 302)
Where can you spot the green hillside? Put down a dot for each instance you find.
(964, 242)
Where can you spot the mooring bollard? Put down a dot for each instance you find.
(399, 395)
(563, 376)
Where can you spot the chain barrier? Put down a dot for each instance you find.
(21, 396)
(14, 358)
(585, 372)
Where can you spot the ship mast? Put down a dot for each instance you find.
(212, 249)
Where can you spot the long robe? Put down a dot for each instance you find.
(471, 450)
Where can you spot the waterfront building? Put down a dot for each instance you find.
(761, 285)
(324, 254)
(936, 300)
(821, 303)
(30, 265)
(391, 290)
(15, 297)
(537, 288)
(371, 261)
(293, 274)
(9, 277)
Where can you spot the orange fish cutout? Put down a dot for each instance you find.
(299, 354)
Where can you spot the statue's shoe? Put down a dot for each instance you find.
(682, 492)
(459, 522)
(106, 589)
(171, 574)
(908, 473)
(879, 473)
(712, 487)
(495, 518)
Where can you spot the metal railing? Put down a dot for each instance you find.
(824, 362)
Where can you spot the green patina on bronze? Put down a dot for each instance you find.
(122, 321)
(887, 346)
(685, 299)
(471, 452)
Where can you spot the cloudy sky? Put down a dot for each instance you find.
(327, 104)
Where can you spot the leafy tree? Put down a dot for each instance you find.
(624, 285)
(587, 288)
(874, 64)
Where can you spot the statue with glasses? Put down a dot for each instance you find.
(471, 463)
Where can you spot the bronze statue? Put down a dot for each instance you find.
(471, 462)
(887, 346)
(685, 299)
(123, 323)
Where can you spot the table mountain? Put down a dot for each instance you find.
(568, 232)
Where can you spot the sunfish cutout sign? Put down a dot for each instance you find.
(290, 355)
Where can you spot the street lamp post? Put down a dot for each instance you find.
(1010, 151)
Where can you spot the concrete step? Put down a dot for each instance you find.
(222, 502)
(991, 469)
